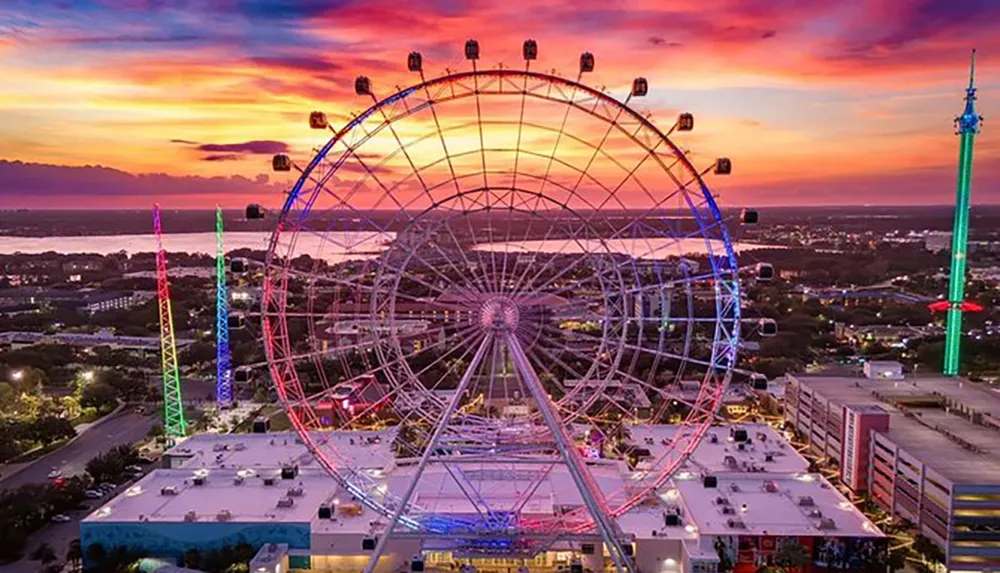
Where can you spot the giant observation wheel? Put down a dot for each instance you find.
(490, 275)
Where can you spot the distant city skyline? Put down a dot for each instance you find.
(816, 103)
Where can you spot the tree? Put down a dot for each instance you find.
(790, 554)
(100, 396)
(74, 554)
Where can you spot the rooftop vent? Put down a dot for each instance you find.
(224, 515)
(169, 490)
(191, 516)
(770, 486)
(238, 480)
(826, 524)
(286, 502)
(220, 448)
(734, 487)
(815, 513)
(768, 457)
(295, 492)
(729, 461)
(734, 523)
(806, 501)
(240, 447)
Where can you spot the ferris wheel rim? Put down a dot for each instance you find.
(502, 74)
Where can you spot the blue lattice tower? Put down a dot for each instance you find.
(224, 370)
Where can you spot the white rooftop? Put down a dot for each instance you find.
(767, 451)
(250, 501)
(221, 458)
(771, 504)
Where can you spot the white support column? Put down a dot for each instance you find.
(428, 452)
(592, 496)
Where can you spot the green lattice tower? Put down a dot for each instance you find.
(967, 126)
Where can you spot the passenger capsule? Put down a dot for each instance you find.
(765, 272)
(768, 327)
(749, 217)
(238, 266)
(281, 162)
(685, 122)
(586, 62)
(415, 62)
(362, 86)
(242, 375)
(471, 50)
(254, 212)
(317, 120)
(236, 321)
(639, 87)
(530, 50)
(723, 166)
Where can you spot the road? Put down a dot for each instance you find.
(125, 427)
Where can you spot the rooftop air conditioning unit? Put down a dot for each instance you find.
(770, 486)
(728, 511)
(295, 492)
(826, 524)
(729, 461)
(286, 502)
(224, 515)
(169, 490)
(269, 481)
(734, 487)
(735, 523)
(240, 447)
(200, 480)
(238, 480)
(806, 501)
(191, 516)
(721, 500)
(815, 513)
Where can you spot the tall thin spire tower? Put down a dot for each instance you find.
(174, 425)
(967, 126)
(223, 366)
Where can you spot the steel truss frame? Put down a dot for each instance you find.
(313, 184)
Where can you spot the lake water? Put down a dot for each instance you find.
(339, 246)
(638, 248)
(335, 247)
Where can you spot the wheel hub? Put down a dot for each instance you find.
(500, 314)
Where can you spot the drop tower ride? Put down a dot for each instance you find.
(967, 126)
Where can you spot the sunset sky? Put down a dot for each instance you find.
(816, 102)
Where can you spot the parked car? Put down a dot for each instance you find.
(61, 518)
